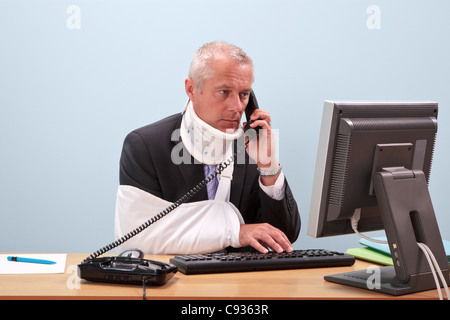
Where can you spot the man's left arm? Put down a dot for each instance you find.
(279, 208)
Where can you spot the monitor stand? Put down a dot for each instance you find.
(408, 217)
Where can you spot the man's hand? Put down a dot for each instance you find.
(262, 149)
(261, 235)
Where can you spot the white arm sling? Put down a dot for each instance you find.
(196, 227)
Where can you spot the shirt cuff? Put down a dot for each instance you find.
(276, 191)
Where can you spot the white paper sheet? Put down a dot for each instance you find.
(13, 267)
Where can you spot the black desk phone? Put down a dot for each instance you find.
(127, 268)
(130, 267)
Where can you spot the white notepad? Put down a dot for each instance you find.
(13, 267)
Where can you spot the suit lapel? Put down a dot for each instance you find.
(237, 184)
(193, 174)
(239, 171)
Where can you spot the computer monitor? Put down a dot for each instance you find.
(373, 164)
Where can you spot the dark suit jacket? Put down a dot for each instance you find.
(146, 164)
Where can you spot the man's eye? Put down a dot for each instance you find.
(244, 95)
(223, 92)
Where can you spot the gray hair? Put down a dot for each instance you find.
(200, 69)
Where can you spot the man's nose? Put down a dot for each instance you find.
(236, 104)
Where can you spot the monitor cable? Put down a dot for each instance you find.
(354, 222)
(434, 266)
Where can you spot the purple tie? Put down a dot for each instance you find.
(211, 187)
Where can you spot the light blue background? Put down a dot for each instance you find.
(69, 97)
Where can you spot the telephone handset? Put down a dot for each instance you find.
(135, 270)
(251, 107)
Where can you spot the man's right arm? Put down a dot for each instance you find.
(188, 230)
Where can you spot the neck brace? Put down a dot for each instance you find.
(204, 142)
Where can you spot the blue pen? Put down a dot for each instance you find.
(30, 260)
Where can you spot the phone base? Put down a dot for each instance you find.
(126, 270)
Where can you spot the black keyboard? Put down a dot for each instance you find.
(246, 261)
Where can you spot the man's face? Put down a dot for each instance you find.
(224, 96)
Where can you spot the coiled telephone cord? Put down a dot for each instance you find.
(163, 213)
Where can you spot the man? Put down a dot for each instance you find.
(253, 204)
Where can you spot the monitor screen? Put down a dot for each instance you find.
(351, 137)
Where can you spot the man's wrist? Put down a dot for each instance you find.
(270, 171)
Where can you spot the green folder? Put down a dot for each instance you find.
(384, 248)
(371, 255)
(380, 253)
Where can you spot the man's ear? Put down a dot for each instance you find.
(190, 88)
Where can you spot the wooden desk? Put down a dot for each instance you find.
(282, 284)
